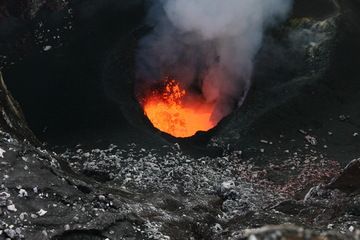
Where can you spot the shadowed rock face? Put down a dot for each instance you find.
(13, 120)
(18, 32)
(268, 165)
(348, 180)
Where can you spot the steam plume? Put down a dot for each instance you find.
(208, 44)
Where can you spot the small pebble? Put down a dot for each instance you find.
(41, 212)
(11, 208)
(67, 227)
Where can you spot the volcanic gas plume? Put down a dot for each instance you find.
(208, 47)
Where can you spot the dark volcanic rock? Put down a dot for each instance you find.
(348, 181)
(318, 9)
(13, 120)
(43, 199)
(28, 27)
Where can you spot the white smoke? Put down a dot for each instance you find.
(209, 44)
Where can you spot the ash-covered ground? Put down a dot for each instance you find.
(137, 193)
(284, 166)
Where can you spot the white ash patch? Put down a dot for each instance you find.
(2, 151)
(148, 170)
(153, 231)
(47, 48)
(41, 212)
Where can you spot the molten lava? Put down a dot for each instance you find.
(175, 111)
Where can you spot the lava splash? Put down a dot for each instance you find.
(175, 111)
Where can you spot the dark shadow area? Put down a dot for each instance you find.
(318, 9)
(62, 91)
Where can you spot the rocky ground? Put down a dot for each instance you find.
(285, 166)
(137, 193)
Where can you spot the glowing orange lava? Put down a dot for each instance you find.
(174, 111)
